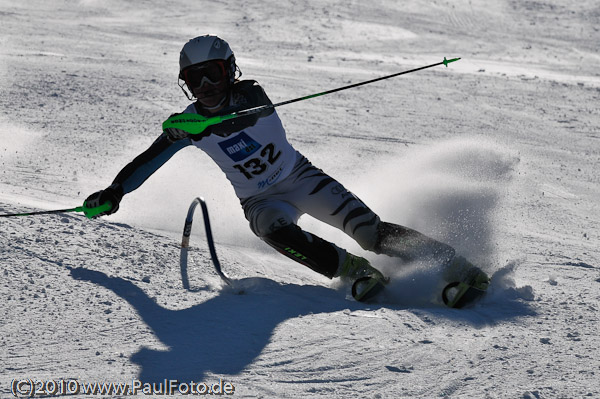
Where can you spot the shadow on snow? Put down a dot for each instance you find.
(224, 334)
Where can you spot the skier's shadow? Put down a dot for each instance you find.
(226, 333)
(222, 335)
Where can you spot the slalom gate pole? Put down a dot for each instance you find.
(185, 243)
(196, 124)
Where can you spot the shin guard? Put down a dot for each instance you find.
(408, 244)
(321, 256)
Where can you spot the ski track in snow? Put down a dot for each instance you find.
(497, 155)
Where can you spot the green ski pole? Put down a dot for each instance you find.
(196, 124)
(88, 212)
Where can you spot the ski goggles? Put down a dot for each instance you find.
(212, 72)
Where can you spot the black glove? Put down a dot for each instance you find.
(174, 134)
(113, 193)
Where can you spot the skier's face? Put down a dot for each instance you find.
(210, 95)
(208, 82)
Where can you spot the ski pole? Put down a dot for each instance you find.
(196, 124)
(89, 212)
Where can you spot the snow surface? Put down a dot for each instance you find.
(498, 155)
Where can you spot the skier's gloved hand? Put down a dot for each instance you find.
(174, 134)
(112, 194)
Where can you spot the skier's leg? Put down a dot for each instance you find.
(328, 259)
(274, 221)
(409, 244)
(308, 249)
(320, 255)
(322, 197)
(327, 200)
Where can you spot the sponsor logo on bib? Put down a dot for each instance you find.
(239, 147)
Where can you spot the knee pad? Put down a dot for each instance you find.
(266, 221)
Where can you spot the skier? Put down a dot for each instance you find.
(275, 183)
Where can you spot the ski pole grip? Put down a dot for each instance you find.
(92, 212)
(197, 124)
(191, 123)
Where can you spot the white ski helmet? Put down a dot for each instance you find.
(206, 48)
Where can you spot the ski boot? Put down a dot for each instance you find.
(368, 281)
(467, 283)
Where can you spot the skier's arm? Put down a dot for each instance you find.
(136, 172)
(144, 165)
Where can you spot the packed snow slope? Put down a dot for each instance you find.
(498, 155)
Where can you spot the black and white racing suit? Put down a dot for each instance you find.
(276, 184)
